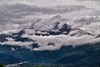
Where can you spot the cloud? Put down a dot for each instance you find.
(88, 3)
(17, 14)
(41, 2)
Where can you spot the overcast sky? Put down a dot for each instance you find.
(41, 2)
(89, 3)
(5, 14)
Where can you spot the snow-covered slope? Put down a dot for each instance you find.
(49, 27)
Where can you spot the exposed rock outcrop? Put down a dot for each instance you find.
(2, 38)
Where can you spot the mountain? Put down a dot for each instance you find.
(56, 30)
(85, 55)
(50, 32)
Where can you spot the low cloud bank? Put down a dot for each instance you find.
(35, 26)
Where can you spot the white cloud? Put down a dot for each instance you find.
(59, 40)
(41, 2)
(51, 2)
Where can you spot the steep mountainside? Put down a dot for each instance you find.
(50, 32)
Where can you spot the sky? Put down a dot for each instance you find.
(89, 3)
(17, 15)
(41, 2)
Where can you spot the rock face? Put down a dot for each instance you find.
(40, 31)
(60, 29)
(56, 30)
(2, 38)
(79, 32)
(18, 34)
(53, 26)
